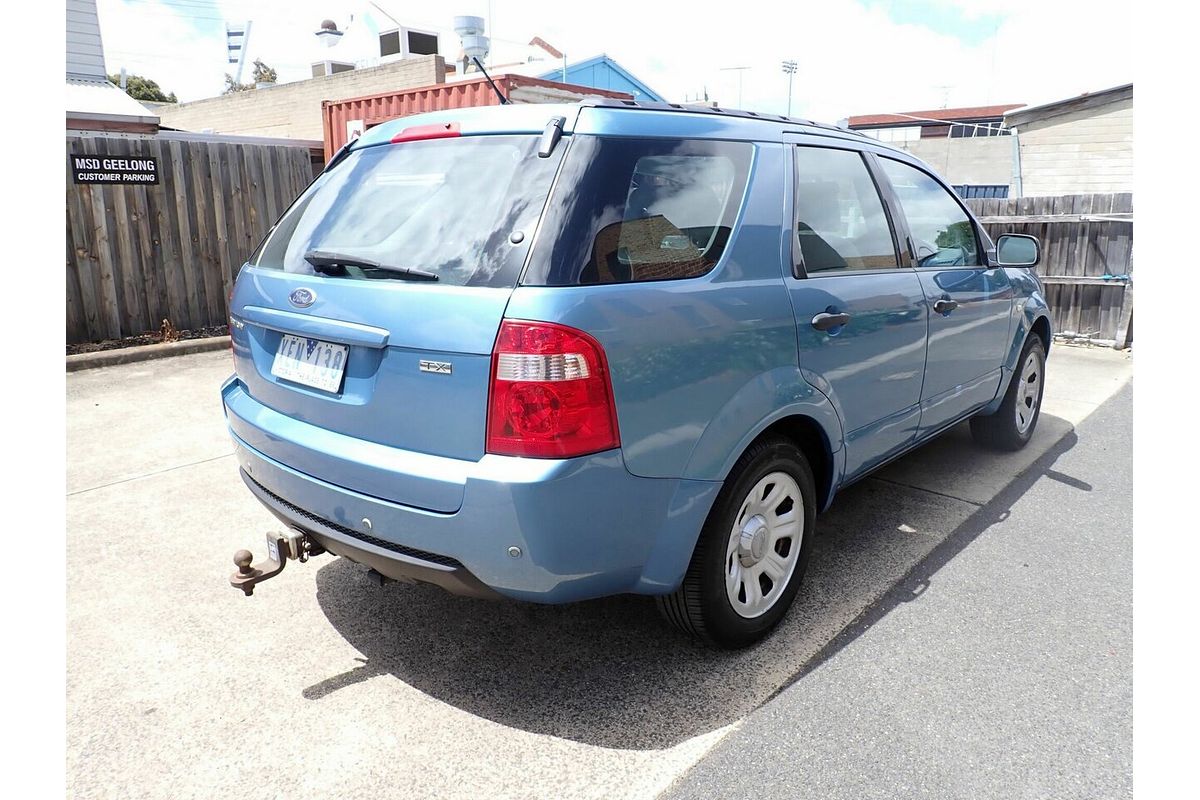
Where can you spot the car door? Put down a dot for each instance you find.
(970, 301)
(860, 312)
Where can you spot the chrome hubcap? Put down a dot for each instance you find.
(1028, 392)
(753, 544)
(764, 545)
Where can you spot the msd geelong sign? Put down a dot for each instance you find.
(113, 169)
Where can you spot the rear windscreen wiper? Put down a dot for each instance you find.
(326, 261)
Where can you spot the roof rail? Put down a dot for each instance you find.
(612, 102)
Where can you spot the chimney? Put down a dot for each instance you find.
(329, 35)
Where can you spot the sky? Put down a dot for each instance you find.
(854, 56)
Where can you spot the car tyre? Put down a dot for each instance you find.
(752, 552)
(1012, 426)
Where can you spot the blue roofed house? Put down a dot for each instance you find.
(603, 72)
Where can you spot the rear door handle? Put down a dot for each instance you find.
(945, 306)
(824, 321)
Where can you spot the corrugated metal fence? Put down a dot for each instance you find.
(1087, 257)
(140, 253)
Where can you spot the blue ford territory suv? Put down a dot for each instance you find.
(558, 352)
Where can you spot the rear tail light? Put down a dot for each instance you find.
(551, 396)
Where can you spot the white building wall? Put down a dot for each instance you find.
(1088, 151)
(85, 51)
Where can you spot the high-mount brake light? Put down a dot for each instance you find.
(551, 395)
(416, 133)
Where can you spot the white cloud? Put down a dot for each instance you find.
(853, 58)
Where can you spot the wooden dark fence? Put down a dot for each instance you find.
(1087, 258)
(139, 254)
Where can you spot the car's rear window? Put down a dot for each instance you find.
(463, 209)
(629, 209)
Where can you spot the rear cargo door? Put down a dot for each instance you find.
(363, 330)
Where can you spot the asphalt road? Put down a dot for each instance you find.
(324, 684)
(1000, 667)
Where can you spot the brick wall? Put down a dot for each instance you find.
(1085, 152)
(293, 110)
(987, 160)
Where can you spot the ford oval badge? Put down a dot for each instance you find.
(302, 298)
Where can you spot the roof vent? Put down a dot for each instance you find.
(474, 44)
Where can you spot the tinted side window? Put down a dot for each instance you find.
(942, 232)
(840, 221)
(639, 210)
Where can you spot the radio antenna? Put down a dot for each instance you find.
(503, 100)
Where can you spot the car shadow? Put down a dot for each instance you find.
(611, 673)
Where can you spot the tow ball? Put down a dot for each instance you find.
(281, 547)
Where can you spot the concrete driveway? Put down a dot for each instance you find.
(324, 684)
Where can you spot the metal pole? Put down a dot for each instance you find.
(1016, 164)
(740, 71)
(790, 68)
(242, 56)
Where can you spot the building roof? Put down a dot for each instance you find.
(932, 117)
(538, 41)
(89, 94)
(1080, 102)
(101, 100)
(609, 62)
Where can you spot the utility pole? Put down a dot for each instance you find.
(789, 67)
(739, 71)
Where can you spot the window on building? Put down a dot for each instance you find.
(977, 130)
(422, 44)
(389, 43)
(908, 133)
(840, 221)
(971, 190)
(323, 68)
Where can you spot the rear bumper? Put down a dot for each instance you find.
(398, 563)
(585, 527)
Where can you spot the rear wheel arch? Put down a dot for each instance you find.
(808, 435)
(722, 598)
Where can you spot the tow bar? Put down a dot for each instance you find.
(281, 547)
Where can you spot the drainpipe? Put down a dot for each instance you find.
(1016, 163)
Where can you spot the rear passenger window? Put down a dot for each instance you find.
(942, 232)
(627, 210)
(840, 222)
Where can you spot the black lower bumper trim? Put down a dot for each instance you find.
(444, 571)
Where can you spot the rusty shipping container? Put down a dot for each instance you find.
(341, 117)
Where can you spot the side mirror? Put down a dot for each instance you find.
(1018, 250)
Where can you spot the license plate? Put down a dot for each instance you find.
(310, 362)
